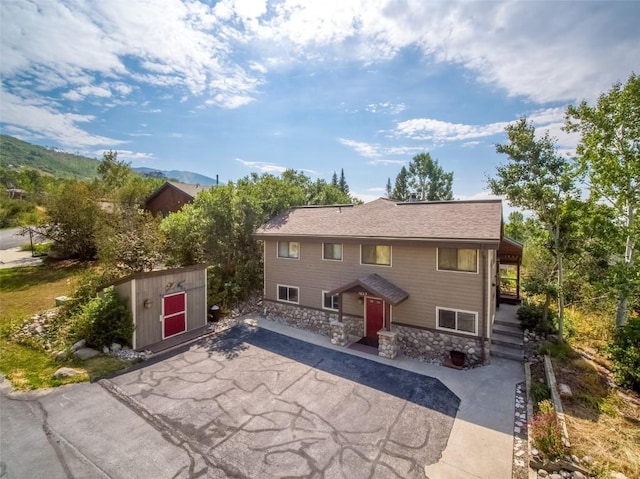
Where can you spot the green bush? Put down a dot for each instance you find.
(539, 392)
(102, 321)
(530, 316)
(624, 351)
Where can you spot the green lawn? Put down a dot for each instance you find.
(24, 292)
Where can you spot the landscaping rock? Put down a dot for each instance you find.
(617, 475)
(80, 344)
(555, 475)
(578, 475)
(66, 373)
(542, 473)
(588, 460)
(116, 347)
(61, 356)
(105, 349)
(86, 353)
(565, 390)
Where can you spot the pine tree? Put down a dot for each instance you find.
(334, 180)
(401, 188)
(388, 191)
(344, 187)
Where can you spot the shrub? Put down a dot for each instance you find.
(539, 392)
(546, 433)
(102, 321)
(530, 316)
(624, 351)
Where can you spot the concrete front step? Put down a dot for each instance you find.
(508, 330)
(506, 340)
(506, 352)
(507, 321)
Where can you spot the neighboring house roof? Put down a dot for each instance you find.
(186, 188)
(378, 286)
(383, 218)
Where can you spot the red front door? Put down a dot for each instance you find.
(374, 316)
(174, 314)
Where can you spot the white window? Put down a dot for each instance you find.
(458, 259)
(332, 251)
(290, 294)
(330, 302)
(457, 320)
(288, 249)
(378, 254)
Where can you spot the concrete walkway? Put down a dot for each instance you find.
(13, 257)
(481, 440)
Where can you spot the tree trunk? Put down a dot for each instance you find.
(621, 309)
(556, 238)
(545, 311)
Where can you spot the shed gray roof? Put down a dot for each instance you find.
(382, 218)
(378, 286)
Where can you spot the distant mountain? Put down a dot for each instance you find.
(17, 153)
(178, 175)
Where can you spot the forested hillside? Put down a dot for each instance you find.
(57, 163)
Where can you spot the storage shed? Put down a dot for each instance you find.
(165, 304)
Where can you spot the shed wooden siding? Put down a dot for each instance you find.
(413, 269)
(148, 321)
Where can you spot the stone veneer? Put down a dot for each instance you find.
(432, 345)
(427, 345)
(315, 320)
(387, 344)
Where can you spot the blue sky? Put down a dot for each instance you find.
(237, 86)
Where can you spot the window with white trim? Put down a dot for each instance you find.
(288, 249)
(332, 251)
(458, 259)
(330, 302)
(378, 254)
(457, 320)
(290, 294)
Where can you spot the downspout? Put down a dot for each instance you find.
(483, 354)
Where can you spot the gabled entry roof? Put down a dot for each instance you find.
(377, 286)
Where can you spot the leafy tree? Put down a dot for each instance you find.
(539, 179)
(429, 180)
(73, 214)
(342, 184)
(113, 172)
(130, 241)
(401, 187)
(515, 227)
(609, 153)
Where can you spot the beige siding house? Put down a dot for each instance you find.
(418, 277)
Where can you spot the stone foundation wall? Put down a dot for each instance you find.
(434, 346)
(313, 320)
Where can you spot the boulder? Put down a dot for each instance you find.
(61, 356)
(116, 347)
(78, 345)
(86, 353)
(66, 373)
(565, 392)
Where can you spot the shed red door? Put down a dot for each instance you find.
(375, 317)
(174, 314)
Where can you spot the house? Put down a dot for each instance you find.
(171, 197)
(165, 305)
(417, 277)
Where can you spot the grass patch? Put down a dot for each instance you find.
(539, 392)
(29, 290)
(601, 424)
(563, 352)
(39, 249)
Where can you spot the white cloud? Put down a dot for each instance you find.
(366, 197)
(441, 131)
(387, 162)
(128, 155)
(262, 166)
(507, 208)
(365, 149)
(386, 107)
(534, 49)
(42, 120)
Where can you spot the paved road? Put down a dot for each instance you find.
(11, 238)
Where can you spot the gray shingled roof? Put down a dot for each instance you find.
(191, 190)
(382, 218)
(378, 286)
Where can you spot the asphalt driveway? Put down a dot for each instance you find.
(260, 404)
